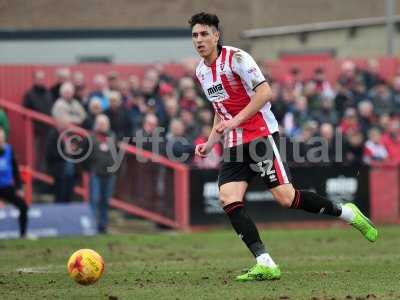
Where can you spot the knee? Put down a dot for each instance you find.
(285, 198)
(225, 199)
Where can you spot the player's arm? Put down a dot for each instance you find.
(245, 66)
(262, 95)
(214, 137)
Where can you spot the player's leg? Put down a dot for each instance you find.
(231, 196)
(286, 195)
(311, 202)
(9, 195)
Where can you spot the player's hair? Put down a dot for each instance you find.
(204, 19)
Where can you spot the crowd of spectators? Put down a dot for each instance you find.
(360, 104)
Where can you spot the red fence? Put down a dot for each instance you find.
(134, 192)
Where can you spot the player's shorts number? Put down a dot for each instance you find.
(265, 167)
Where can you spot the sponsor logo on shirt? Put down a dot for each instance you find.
(215, 89)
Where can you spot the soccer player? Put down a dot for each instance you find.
(240, 95)
(10, 182)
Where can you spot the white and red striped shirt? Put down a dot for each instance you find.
(229, 83)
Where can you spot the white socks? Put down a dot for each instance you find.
(347, 214)
(265, 260)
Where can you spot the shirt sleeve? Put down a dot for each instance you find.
(245, 66)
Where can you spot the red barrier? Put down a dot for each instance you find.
(384, 192)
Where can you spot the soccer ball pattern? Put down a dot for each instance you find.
(85, 266)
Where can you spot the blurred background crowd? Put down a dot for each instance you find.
(360, 105)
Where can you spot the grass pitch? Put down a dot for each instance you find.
(316, 264)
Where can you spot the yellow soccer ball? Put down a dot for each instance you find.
(85, 266)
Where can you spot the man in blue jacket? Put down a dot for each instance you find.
(10, 182)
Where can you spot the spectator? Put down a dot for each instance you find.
(163, 76)
(177, 145)
(347, 77)
(296, 118)
(396, 94)
(297, 81)
(95, 109)
(312, 95)
(60, 146)
(102, 176)
(205, 116)
(69, 107)
(367, 116)
(100, 91)
(371, 75)
(38, 97)
(349, 121)
(302, 142)
(167, 92)
(353, 147)
(134, 84)
(189, 100)
(391, 140)
(327, 133)
(150, 126)
(119, 117)
(374, 150)
(126, 95)
(191, 125)
(327, 113)
(384, 122)
(381, 98)
(359, 92)
(63, 75)
(78, 80)
(10, 182)
(343, 100)
(113, 81)
(4, 124)
(152, 99)
(186, 83)
(282, 101)
(172, 108)
(137, 108)
(323, 86)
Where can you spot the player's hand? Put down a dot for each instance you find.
(227, 125)
(202, 150)
(20, 193)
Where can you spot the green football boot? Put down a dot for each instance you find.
(363, 224)
(260, 272)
